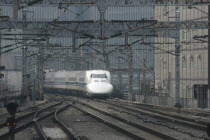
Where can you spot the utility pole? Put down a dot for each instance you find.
(209, 54)
(73, 48)
(143, 87)
(81, 56)
(102, 9)
(24, 73)
(24, 67)
(106, 57)
(0, 70)
(177, 59)
(66, 66)
(106, 61)
(0, 47)
(119, 75)
(40, 71)
(15, 9)
(33, 82)
(139, 81)
(130, 66)
(130, 55)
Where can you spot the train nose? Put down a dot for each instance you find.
(100, 88)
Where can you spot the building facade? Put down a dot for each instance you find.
(193, 59)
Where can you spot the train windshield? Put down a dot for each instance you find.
(98, 76)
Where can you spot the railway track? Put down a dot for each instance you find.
(71, 134)
(131, 129)
(183, 120)
(47, 112)
(36, 118)
(25, 114)
(192, 129)
(85, 125)
(25, 124)
(188, 120)
(196, 112)
(126, 119)
(21, 111)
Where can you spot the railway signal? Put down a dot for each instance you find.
(11, 122)
(12, 108)
(208, 129)
(1, 75)
(2, 67)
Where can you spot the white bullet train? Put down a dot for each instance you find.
(91, 83)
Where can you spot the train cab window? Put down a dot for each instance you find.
(98, 76)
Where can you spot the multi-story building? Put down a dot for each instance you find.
(193, 59)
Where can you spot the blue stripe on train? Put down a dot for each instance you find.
(66, 83)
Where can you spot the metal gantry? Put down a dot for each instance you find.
(177, 58)
(209, 55)
(24, 67)
(102, 30)
(119, 3)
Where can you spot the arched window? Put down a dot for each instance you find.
(198, 56)
(184, 62)
(191, 61)
(184, 35)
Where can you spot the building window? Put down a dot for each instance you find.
(164, 65)
(163, 62)
(184, 62)
(191, 64)
(198, 56)
(165, 11)
(191, 61)
(195, 87)
(184, 35)
(186, 91)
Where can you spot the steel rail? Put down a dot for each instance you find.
(26, 125)
(44, 109)
(21, 110)
(176, 119)
(36, 119)
(132, 135)
(154, 109)
(71, 135)
(141, 127)
(171, 108)
(22, 116)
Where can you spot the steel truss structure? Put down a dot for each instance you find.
(118, 3)
(113, 28)
(103, 30)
